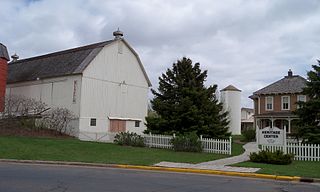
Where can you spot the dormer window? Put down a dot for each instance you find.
(285, 103)
(269, 103)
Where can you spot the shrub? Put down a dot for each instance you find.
(249, 135)
(58, 119)
(189, 143)
(277, 157)
(129, 139)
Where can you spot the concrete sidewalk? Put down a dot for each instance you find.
(220, 164)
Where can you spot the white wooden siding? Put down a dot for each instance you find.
(111, 66)
(55, 92)
(113, 85)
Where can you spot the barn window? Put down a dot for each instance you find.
(74, 95)
(93, 122)
(120, 48)
(137, 123)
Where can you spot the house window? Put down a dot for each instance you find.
(269, 103)
(301, 98)
(285, 103)
(93, 122)
(137, 123)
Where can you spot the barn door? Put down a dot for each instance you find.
(117, 126)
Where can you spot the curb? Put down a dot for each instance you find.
(215, 172)
(181, 170)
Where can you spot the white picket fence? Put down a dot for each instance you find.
(302, 152)
(97, 136)
(220, 146)
(158, 141)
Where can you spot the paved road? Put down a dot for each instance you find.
(50, 178)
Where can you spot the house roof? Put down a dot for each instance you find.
(4, 52)
(288, 84)
(62, 63)
(247, 109)
(230, 88)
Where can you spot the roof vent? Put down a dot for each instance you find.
(289, 73)
(118, 34)
(15, 57)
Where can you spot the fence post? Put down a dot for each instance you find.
(285, 140)
(230, 144)
(174, 135)
(200, 137)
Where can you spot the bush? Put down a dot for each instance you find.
(189, 143)
(129, 139)
(249, 135)
(277, 157)
(58, 119)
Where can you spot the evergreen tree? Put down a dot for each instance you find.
(183, 104)
(309, 112)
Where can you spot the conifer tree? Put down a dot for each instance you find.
(309, 112)
(183, 104)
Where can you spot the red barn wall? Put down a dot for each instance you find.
(4, 58)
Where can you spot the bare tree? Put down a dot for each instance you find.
(58, 119)
(21, 106)
(21, 109)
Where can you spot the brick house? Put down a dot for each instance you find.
(274, 104)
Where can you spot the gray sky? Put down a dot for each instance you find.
(246, 43)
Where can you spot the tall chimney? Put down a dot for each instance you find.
(4, 58)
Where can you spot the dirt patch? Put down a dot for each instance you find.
(27, 132)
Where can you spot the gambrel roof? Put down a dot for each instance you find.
(62, 63)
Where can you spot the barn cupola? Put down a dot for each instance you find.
(4, 58)
(15, 57)
(118, 34)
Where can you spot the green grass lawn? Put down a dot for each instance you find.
(28, 148)
(236, 149)
(297, 168)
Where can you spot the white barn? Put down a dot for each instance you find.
(103, 84)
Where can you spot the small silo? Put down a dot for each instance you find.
(231, 99)
(4, 58)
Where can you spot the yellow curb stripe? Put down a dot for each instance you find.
(264, 176)
(284, 178)
(295, 178)
(215, 172)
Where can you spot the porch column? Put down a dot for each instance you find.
(257, 130)
(289, 125)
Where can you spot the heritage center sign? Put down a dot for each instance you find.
(273, 136)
